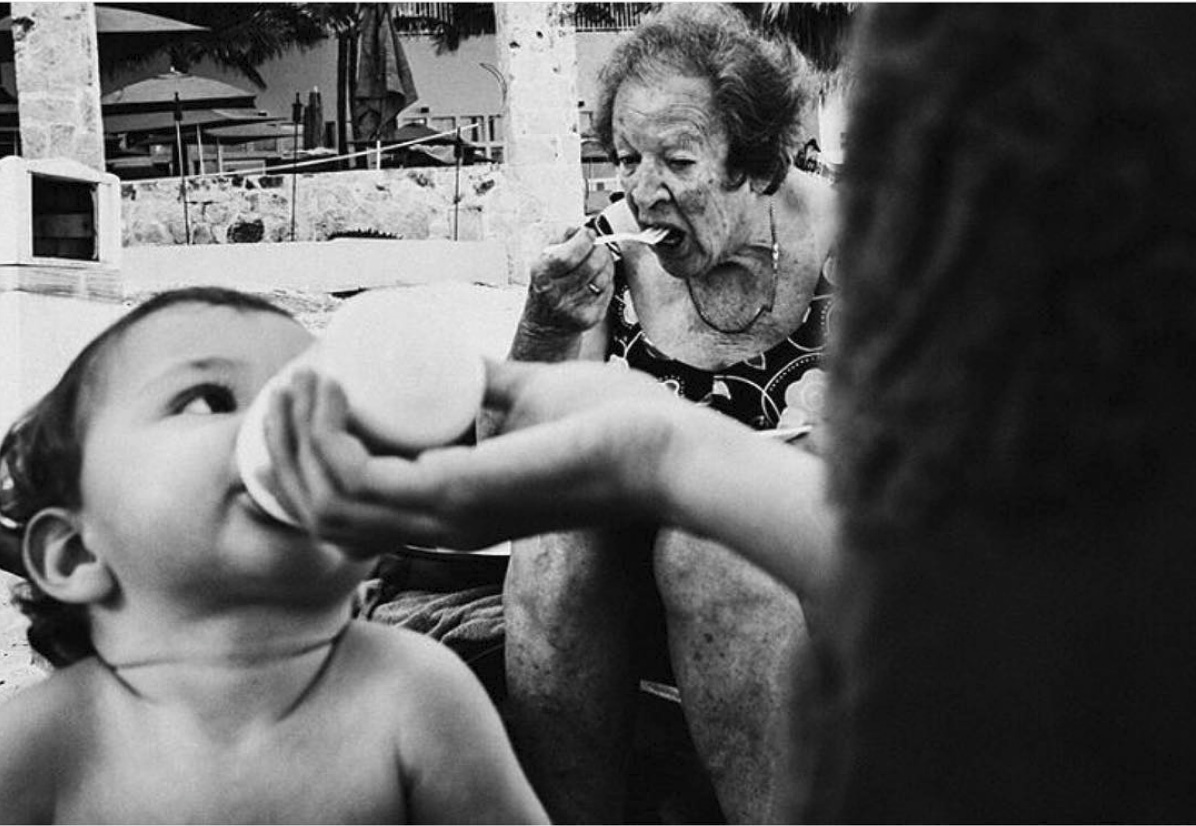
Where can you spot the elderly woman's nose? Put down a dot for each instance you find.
(646, 186)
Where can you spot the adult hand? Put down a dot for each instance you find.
(570, 286)
(582, 443)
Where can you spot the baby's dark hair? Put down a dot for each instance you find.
(41, 458)
(760, 83)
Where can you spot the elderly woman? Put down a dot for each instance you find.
(702, 117)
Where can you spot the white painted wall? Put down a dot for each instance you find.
(465, 283)
(39, 335)
(832, 124)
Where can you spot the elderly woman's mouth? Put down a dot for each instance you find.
(673, 237)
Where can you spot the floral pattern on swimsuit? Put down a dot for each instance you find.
(781, 387)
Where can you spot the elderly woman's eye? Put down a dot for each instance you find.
(627, 163)
(206, 399)
(679, 164)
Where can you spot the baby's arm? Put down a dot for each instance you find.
(458, 765)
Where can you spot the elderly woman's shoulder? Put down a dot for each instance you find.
(812, 196)
(808, 187)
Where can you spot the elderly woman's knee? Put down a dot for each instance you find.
(698, 578)
(565, 576)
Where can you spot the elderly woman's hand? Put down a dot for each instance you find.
(570, 286)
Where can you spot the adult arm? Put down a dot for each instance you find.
(564, 315)
(581, 445)
(569, 289)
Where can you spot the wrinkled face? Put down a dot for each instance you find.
(671, 150)
(162, 502)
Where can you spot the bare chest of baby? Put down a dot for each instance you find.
(133, 761)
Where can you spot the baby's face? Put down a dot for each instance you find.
(162, 502)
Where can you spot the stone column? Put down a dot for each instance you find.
(537, 53)
(58, 81)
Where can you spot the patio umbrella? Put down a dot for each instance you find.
(272, 129)
(178, 93)
(143, 127)
(158, 93)
(313, 121)
(385, 86)
(436, 147)
(114, 26)
(112, 20)
(423, 134)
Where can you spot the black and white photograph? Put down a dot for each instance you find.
(578, 412)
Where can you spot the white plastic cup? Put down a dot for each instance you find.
(413, 380)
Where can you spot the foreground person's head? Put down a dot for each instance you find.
(1012, 397)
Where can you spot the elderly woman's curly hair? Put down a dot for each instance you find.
(41, 458)
(760, 84)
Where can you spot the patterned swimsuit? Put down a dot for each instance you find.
(781, 387)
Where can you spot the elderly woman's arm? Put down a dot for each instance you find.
(568, 292)
(581, 445)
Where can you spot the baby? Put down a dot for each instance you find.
(211, 669)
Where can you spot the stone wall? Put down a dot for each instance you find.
(414, 203)
(58, 74)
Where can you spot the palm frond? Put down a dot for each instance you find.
(819, 30)
(240, 36)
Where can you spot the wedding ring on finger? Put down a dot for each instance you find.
(594, 288)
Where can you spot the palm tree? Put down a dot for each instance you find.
(240, 37)
(819, 30)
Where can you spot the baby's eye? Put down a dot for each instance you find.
(205, 400)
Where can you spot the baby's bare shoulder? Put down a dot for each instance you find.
(41, 729)
(398, 653)
(407, 672)
(47, 709)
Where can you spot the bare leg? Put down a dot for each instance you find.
(736, 638)
(568, 603)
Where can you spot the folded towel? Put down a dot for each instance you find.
(470, 616)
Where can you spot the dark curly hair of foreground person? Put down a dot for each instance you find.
(1013, 397)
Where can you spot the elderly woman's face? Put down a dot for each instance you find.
(672, 152)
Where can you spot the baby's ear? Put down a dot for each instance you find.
(58, 561)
